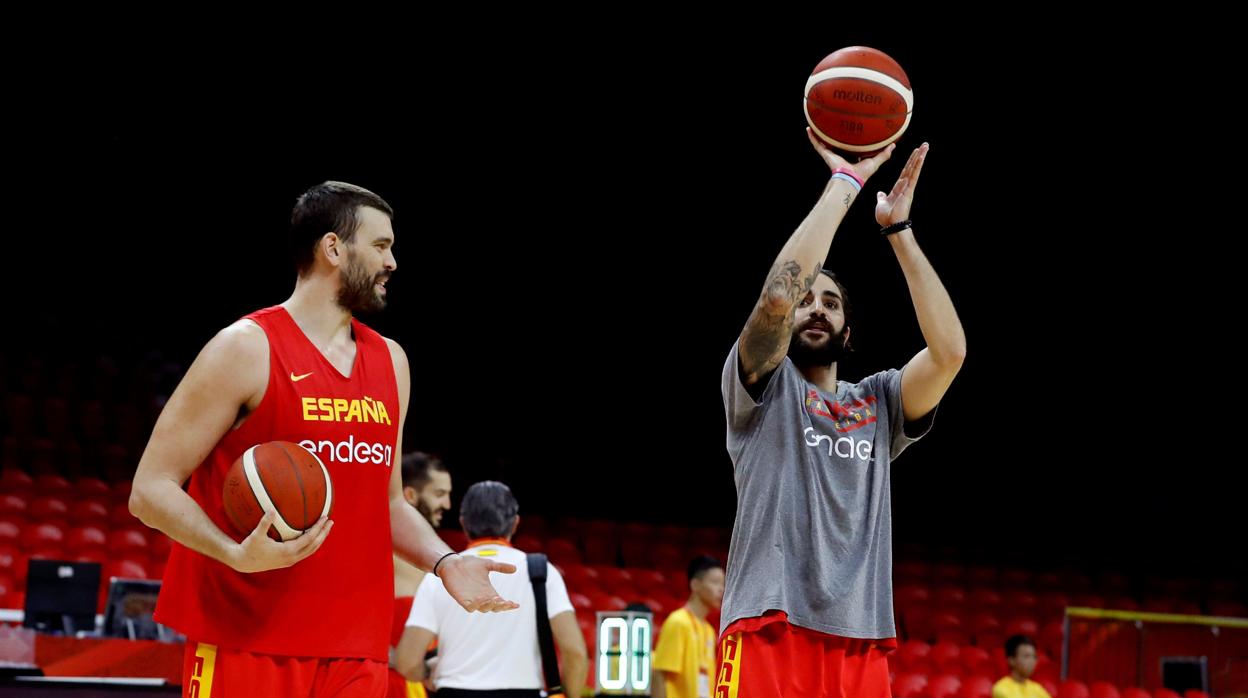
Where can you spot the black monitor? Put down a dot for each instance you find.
(61, 596)
(1181, 674)
(128, 612)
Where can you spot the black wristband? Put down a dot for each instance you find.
(435, 565)
(895, 228)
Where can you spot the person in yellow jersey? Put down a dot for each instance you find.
(1020, 654)
(684, 660)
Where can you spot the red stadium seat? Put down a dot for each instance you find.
(93, 510)
(972, 658)
(944, 686)
(616, 580)
(158, 548)
(8, 586)
(10, 532)
(562, 551)
(91, 486)
(1051, 638)
(984, 599)
(607, 602)
(580, 578)
(671, 603)
(13, 506)
(42, 536)
(1046, 669)
(9, 557)
(128, 541)
(17, 482)
(669, 556)
(657, 606)
(1103, 689)
(915, 657)
(984, 622)
(1052, 605)
(976, 687)
(650, 581)
(85, 538)
(129, 569)
(944, 657)
(51, 508)
(1018, 602)
(1073, 689)
(119, 516)
(913, 571)
(941, 620)
(52, 484)
(677, 582)
(950, 596)
(910, 686)
(1022, 626)
(580, 602)
(912, 594)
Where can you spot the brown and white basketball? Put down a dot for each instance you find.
(281, 477)
(858, 100)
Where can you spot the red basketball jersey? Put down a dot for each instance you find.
(338, 602)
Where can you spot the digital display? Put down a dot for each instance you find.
(622, 666)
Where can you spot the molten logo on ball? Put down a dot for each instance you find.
(858, 100)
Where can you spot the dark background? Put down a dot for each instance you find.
(584, 221)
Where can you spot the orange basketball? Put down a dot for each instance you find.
(858, 100)
(277, 476)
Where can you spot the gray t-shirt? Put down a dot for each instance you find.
(813, 531)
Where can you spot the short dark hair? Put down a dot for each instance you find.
(417, 467)
(329, 207)
(702, 564)
(488, 510)
(1016, 641)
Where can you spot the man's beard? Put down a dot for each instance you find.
(426, 512)
(357, 294)
(805, 355)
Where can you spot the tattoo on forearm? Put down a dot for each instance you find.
(783, 278)
(846, 201)
(785, 281)
(764, 343)
(766, 337)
